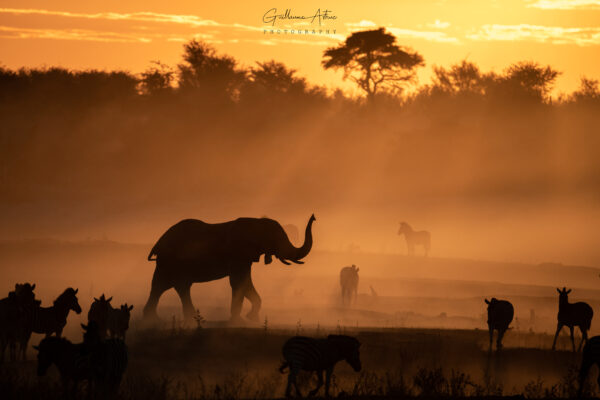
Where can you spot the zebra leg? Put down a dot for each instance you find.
(584, 338)
(183, 290)
(586, 363)
(292, 381)
(252, 295)
(24, 342)
(328, 373)
(558, 328)
(572, 329)
(319, 383)
(499, 339)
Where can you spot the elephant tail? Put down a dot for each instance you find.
(153, 252)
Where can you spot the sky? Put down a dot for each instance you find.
(130, 35)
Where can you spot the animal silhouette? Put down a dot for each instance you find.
(349, 284)
(293, 232)
(500, 315)
(102, 363)
(99, 314)
(194, 251)
(73, 362)
(108, 360)
(414, 238)
(49, 320)
(318, 355)
(118, 321)
(13, 312)
(572, 314)
(590, 356)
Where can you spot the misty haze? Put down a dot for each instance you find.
(206, 212)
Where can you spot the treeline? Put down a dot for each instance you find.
(211, 129)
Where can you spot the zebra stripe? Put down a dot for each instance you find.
(318, 355)
(109, 362)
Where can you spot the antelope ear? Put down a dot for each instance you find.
(36, 347)
(558, 290)
(130, 308)
(33, 286)
(76, 290)
(569, 291)
(109, 299)
(487, 301)
(357, 269)
(96, 299)
(84, 327)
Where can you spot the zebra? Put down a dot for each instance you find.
(73, 361)
(101, 363)
(99, 313)
(500, 315)
(49, 320)
(309, 354)
(108, 359)
(591, 356)
(413, 238)
(118, 320)
(13, 311)
(349, 284)
(572, 314)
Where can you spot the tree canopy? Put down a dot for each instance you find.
(374, 61)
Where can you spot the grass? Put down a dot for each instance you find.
(241, 363)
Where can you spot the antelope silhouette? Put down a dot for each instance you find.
(572, 314)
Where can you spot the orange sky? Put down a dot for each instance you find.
(128, 35)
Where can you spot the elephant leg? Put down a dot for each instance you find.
(252, 295)
(238, 284)
(159, 286)
(183, 290)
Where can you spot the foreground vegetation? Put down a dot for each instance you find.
(240, 363)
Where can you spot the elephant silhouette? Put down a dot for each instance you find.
(194, 251)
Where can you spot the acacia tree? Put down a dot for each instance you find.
(374, 61)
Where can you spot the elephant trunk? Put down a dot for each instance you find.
(295, 254)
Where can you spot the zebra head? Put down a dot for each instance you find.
(69, 299)
(49, 351)
(348, 347)
(404, 227)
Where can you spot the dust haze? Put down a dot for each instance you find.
(96, 165)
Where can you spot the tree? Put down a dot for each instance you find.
(203, 69)
(275, 76)
(464, 77)
(525, 80)
(156, 79)
(588, 91)
(374, 61)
